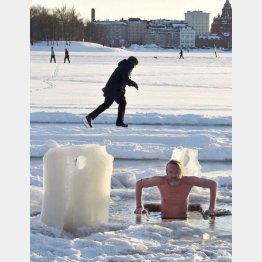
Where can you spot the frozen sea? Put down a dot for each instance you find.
(179, 104)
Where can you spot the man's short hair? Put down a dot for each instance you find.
(133, 60)
(178, 163)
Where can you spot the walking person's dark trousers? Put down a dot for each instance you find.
(67, 59)
(107, 103)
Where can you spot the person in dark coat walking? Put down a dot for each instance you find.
(181, 54)
(115, 91)
(66, 55)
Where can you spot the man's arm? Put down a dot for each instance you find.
(207, 183)
(127, 80)
(140, 184)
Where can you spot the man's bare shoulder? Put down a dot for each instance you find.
(197, 181)
(190, 179)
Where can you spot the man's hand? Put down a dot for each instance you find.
(136, 86)
(140, 210)
(210, 212)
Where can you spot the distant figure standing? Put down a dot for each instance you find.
(181, 54)
(115, 91)
(215, 51)
(52, 55)
(66, 55)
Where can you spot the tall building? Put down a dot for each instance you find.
(199, 21)
(222, 25)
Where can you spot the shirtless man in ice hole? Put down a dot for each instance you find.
(174, 190)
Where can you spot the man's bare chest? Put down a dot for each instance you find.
(174, 193)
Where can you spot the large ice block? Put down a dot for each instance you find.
(76, 186)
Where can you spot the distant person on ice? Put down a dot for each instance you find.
(174, 190)
(181, 54)
(66, 55)
(52, 54)
(115, 91)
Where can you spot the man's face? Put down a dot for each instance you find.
(173, 174)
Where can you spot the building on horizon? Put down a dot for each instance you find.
(185, 37)
(222, 25)
(109, 33)
(221, 31)
(136, 29)
(199, 21)
(189, 33)
(170, 34)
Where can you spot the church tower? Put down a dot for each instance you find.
(227, 9)
(222, 25)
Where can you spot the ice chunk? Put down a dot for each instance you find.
(76, 186)
(189, 158)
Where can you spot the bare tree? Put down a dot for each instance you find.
(57, 24)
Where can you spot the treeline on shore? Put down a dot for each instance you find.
(56, 24)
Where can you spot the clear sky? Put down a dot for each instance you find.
(144, 9)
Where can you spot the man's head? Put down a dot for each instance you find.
(133, 60)
(174, 171)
